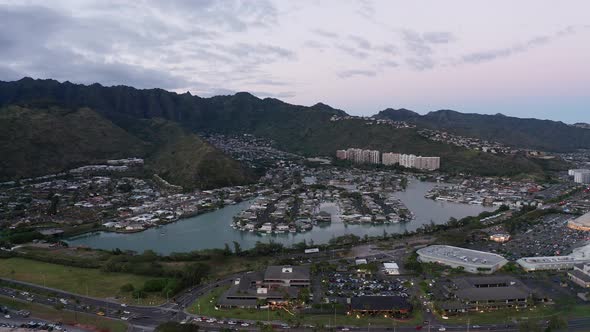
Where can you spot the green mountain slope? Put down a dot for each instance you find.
(35, 142)
(183, 158)
(324, 138)
(528, 133)
(39, 141)
(306, 130)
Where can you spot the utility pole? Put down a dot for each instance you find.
(468, 323)
(334, 314)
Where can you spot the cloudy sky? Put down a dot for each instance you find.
(521, 58)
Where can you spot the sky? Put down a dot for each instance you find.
(526, 58)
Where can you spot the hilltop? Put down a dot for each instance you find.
(538, 134)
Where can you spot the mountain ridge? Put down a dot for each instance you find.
(299, 129)
(531, 133)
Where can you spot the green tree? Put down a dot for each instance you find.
(556, 323)
(194, 273)
(404, 183)
(54, 204)
(226, 250)
(237, 248)
(303, 295)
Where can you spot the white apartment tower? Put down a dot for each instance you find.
(390, 158)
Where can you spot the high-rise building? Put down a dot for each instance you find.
(582, 176)
(360, 156)
(390, 158)
(407, 160)
(428, 163)
(373, 156)
(355, 155)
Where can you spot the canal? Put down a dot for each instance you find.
(212, 230)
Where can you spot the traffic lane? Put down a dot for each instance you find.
(155, 316)
(18, 321)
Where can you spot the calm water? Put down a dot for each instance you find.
(211, 230)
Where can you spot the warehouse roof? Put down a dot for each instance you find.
(380, 303)
(461, 255)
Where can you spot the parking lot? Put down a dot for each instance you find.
(549, 237)
(346, 285)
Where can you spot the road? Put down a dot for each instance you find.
(144, 318)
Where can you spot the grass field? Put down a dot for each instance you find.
(225, 265)
(205, 306)
(91, 282)
(537, 313)
(67, 317)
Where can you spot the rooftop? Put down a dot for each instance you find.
(461, 255)
(582, 221)
(390, 265)
(497, 288)
(287, 273)
(379, 303)
(580, 275)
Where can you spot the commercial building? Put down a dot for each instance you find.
(483, 293)
(274, 286)
(472, 261)
(550, 262)
(286, 276)
(396, 306)
(391, 268)
(580, 275)
(581, 223)
(578, 256)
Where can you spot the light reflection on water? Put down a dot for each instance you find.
(212, 230)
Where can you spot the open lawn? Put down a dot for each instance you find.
(90, 282)
(225, 265)
(538, 312)
(205, 306)
(67, 317)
